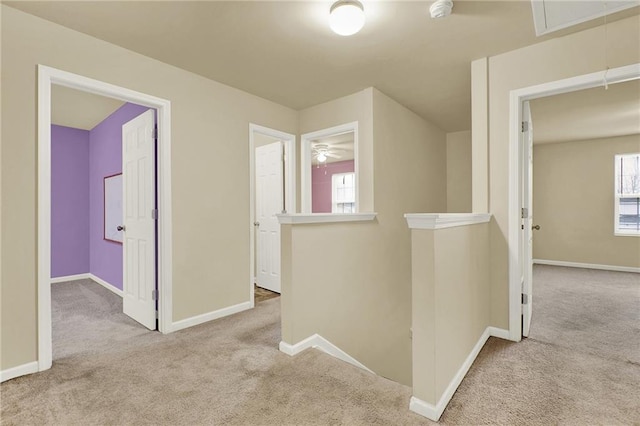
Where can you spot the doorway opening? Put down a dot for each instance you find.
(586, 209)
(521, 191)
(272, 191)
(90, 191)
(47, 77)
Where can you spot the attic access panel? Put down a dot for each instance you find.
(554, 15)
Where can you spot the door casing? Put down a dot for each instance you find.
(289, 145)
(516, 155)
(46, 77)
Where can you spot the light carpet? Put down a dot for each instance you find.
(230, 372)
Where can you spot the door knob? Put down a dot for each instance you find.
(256, 223)
(120, 228)
(536, 227)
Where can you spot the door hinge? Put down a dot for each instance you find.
(524, 213)
(156, 317)
(525, 299)
(154, 132)
(524, 126)
(154, 214)
(154, 295)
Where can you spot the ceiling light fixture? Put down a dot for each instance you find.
(441, 9)
(321, 157)
(346, 17)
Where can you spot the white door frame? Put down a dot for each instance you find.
(516, 154)
(289, 141)
(305, 160)
(46, 77)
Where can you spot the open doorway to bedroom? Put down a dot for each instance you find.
(146, 205)
(103, 255)
(586, 221)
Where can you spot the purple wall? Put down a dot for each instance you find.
(321, 184)
(69, 201)
(105, 159)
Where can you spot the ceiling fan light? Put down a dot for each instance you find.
(441, 9)
(321, 157)
(346, 17)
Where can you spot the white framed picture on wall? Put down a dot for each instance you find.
(113, 208)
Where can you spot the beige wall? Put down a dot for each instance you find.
(210, 133)
(356, 107)
(451, 306)
(571, 55)
(480, 135)
(261, 140)
(573, 202)
(459, 172)
(351, 282)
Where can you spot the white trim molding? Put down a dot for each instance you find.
(587, 265)
(91, 277)
(500, 333)
(318, 342)
(48, 76)
(516, 153)
(210, 316)
(425, 409)
(444, 220)
(106, 285)
(289, 145)
(21, 370)
(68, 278)
(305, 159)
(434, 412)
(302, 218)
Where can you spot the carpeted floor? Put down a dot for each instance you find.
(227, 371)
(579, 366)
(88, 318)
(587, 310)
(230, 372)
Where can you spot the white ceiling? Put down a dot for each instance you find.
(587, 114)
(81, 110)
(284, 50)
(342, 146)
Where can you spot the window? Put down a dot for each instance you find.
(343, 193)
(627, 194)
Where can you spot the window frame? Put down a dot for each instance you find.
(334, 189)
(617, 196)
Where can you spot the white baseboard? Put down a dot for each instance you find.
(425, 409)
(319, 342)
(292, 350)
(91, 277)
(586, 265)
(210, 316)
(434, 412)
(500, 333)
(70, 278)
(21, 370)
(106, 285)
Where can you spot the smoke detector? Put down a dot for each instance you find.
(441, 9)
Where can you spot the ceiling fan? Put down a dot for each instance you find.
(322, 151)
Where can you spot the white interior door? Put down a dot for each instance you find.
(527, 219)
(138, 204)
(269, 203)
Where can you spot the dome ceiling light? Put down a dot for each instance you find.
(441, 9)
(346, 17)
